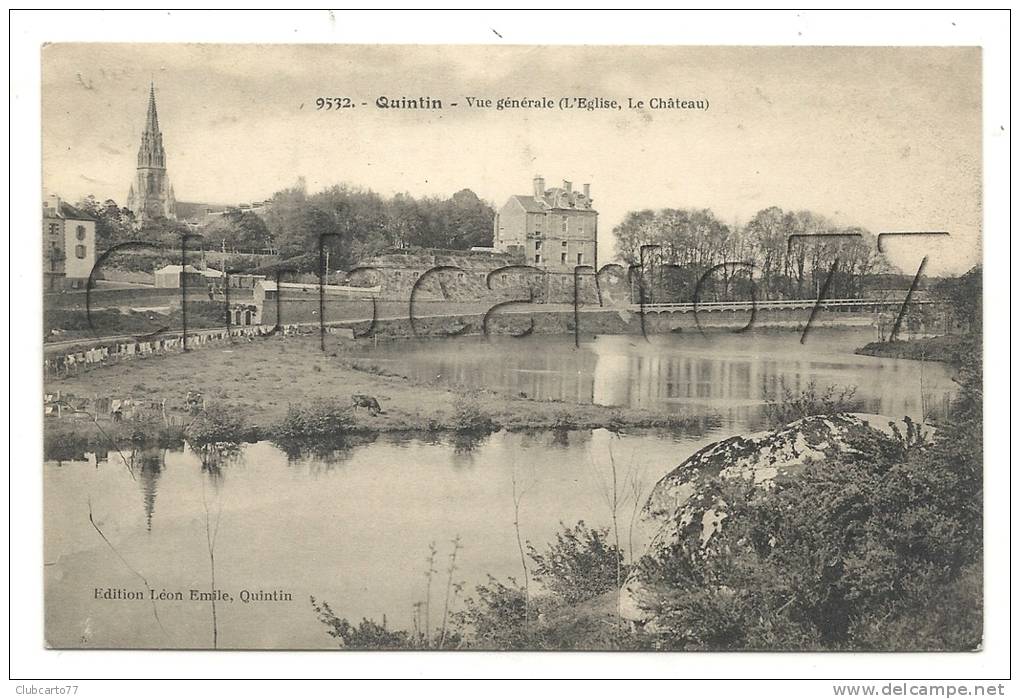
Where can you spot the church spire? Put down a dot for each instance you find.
(150, 195)
(150, 152)
(151, 119)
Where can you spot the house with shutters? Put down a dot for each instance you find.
(69, 245)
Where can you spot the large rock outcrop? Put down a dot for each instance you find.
(686, 503)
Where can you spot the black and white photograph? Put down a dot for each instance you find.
(453, 347)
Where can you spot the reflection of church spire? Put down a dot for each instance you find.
(149, 475)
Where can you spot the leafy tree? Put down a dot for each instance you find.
(358, 223)
(238, 230)
(772, 255)
(113, 223)
(964, 296)
(466, 221)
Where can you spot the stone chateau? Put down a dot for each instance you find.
(554, 229)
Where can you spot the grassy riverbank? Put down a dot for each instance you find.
(262, 381)
(951, 349)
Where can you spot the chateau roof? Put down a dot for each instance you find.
(530, 204)
(555, 198)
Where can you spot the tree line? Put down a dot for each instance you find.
(354, 223)
(776, 255)
(357, 223)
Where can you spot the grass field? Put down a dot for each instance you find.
(261, 378)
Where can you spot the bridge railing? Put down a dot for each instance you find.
(779, 304)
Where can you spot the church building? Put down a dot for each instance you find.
(151, 195)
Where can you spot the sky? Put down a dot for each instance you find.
(884, 138)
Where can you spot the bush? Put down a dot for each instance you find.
(218, 422)
(580, 564)
(368, 635)
(470, 417)
(59, 445)
(564, 419)
(496, 618)
(326, 419)
(783, 404)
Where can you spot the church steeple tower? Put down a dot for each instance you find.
(151, 195)
(151, 153)
(152, 120)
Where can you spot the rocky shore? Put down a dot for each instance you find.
(690, 506)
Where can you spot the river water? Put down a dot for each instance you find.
(354, 527)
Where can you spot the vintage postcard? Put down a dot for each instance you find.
(450, 348)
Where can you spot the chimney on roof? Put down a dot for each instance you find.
(51, 204)
(539, 186)
(587, 191)
(568, 185)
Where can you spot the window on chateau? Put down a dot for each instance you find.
(564, 226)
(54, 228)
(79, 251)
(580, 258)
(538, 244)
(564, 243)
(538, 258)
(563, 258)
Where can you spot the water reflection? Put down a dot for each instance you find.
(351, 520)
(148, 467)
(720, 373)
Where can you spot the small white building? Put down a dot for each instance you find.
(171, 277)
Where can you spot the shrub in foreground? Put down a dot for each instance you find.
(580, 564)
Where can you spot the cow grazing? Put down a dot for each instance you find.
(359, 400)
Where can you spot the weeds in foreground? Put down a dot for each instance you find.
(370, 635)
(579, 568)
